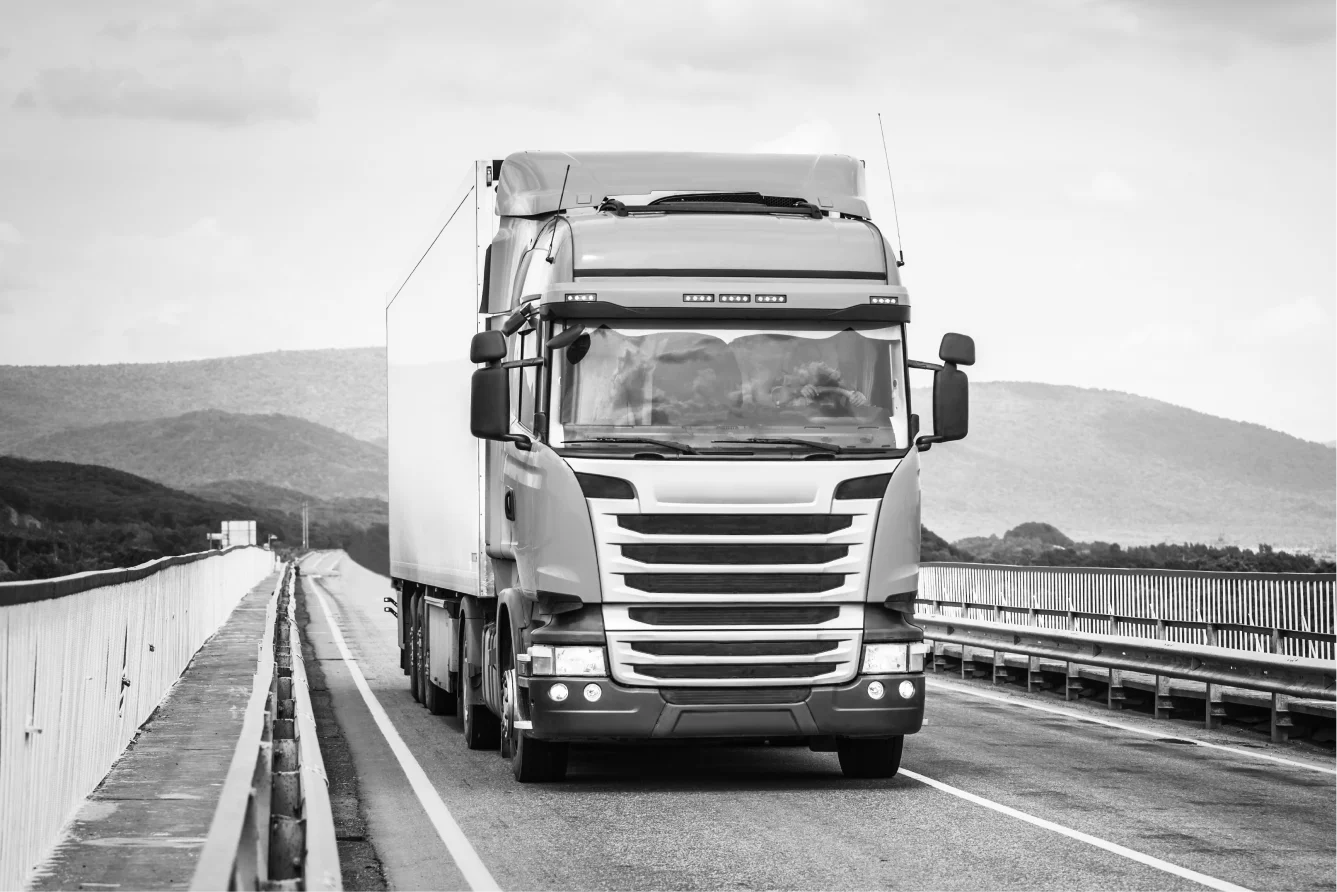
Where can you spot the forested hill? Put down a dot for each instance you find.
(343, 389)
(200, 448)
(1102, 465)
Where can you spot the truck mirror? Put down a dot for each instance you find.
(951, 404)
(490, 403)
(576, 352)
(515, 322)
(487, 346)
(957, 349)
(566, 337)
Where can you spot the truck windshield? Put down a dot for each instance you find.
(693, 384)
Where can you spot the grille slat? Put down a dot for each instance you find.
(733, 616)
(735, 696)
(734, 583)
(733, 648)
(734, 524)
(735, 554)
(735, 670)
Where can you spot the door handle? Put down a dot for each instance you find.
(509, 503)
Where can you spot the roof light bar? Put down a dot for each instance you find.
(583, 296)
(771, 298)
(884, 299)
(735, 298)
(699, 298)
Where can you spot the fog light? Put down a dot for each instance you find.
(593, 692)
(906, 690)
(875, 690)
(557, 692)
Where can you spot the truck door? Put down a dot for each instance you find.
(521, 474)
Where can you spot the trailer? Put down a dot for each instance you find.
(654, 467)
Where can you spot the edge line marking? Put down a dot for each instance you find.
(466, 859)
(1114, 848)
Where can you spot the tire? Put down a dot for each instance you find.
(532, 760)
(480, 727)
(865, 758)
(415, 652)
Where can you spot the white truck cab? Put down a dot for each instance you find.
(680, 499)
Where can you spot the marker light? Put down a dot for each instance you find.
(906, 690)
(875, 690)
(557, 692)
(583, 296)
(699, 298)
(735, 298)
(884, 299)
(771, 298)
(878, 658)
(593, 692)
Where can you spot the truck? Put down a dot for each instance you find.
(654, 463)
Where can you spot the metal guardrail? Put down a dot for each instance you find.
(274, 828)
(84, 661)
(1284, 677)
(1279, 613)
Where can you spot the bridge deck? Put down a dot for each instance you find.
(143, 826)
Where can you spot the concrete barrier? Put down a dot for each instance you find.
(84, 661)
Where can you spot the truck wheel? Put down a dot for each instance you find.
(415, 648)
(478, 724)
(532, 760)
(861, 757)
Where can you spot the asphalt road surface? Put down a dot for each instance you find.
(999, 791)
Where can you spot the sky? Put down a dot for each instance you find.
(1135, 195)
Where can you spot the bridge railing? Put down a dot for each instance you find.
(84, 661)
(1280, 613)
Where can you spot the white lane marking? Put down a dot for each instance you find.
(1115, 848)
(466, 859)
(1067, 713)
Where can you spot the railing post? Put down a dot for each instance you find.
(1281, 718)
(1214, 705)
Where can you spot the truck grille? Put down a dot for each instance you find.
(733, 696)
(735, 554)
(734, 524)
(733, 616)
(734, 583)
(745, 658)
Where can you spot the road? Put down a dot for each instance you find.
(994, 793)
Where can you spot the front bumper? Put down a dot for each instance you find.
(644, 713)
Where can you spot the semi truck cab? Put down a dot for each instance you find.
(694, 463)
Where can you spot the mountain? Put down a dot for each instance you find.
(343, 389)
(200, 448)
(360, 512)
(58, 518)
(1102, 465)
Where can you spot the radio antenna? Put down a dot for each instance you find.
(900, 250)
(561, 196)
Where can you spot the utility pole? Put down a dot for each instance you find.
(306, 527)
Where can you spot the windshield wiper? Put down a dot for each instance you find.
(788, 441)
(665, 444)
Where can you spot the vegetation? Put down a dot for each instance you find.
(198, 448)
(1043, 545)
(58, 518)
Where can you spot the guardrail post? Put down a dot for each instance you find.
(1034, 678)
(1281, 718)
(1214, 706)
(1163, 706)
(1114, 693)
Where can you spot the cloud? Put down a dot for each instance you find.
(1209, 24)
(1303, 316)
(218, 90)
(809, 137)
(215, 23)
(1105, 187)
(9, 234)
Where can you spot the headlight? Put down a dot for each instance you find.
(878, 658)
(546, 659)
